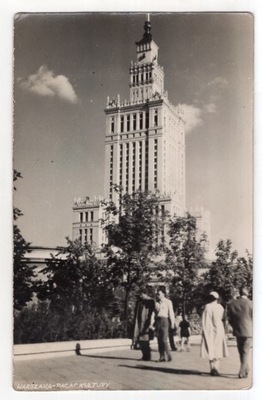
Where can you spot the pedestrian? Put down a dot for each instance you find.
(144, 320)
(164, 314)
(239, 315)
(185, 333)
(213, 342)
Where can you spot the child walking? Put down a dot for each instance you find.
(185, 333)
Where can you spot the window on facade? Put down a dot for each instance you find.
(112, 125)
(81, 217)
(128, 123)
(156, 118)
(155, 163)
(142, 78)
(127, 166)
(91, 235)
(146, 164)
(122, 123)
(147, 120)
(141, 120)
(85, 235)
(80, 235)
(134, 166)
(92, 215)
(134, 122)
(86, 216)
(121, 165)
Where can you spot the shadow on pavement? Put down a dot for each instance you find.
(179, 371)
(109, 357)
(167, 370)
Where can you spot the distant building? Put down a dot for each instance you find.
(38, 256)
(87, 215)
(144, 145)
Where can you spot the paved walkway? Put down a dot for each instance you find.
(120, 369)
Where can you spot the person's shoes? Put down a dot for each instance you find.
(169, 358)
(245, 375)
(214, 372)
(161, 360)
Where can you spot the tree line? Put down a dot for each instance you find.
(85, 294)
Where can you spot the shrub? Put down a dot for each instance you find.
(38, 324)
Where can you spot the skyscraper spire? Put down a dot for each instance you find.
(147, 36)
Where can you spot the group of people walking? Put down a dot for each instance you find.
(157, 316)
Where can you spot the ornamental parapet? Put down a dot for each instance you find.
(87, 202)
(116, 103)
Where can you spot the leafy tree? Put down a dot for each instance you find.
(23, 274)
(185, 256)
(133, 228)
(244, 272)
(221, 273)
(75, 280)
(228, 271)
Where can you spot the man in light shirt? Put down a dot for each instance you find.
(164, 314)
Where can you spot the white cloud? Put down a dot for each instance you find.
(219, 82)
(192, 116)
(45, 83)
(210, 108)
(204, 103)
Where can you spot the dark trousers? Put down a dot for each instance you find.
(145, 348)
(244, 345)
(162, 327)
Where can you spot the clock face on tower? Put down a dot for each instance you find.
(141, 57)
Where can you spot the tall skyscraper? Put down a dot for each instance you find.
(144, 144)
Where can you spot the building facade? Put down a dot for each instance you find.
(144, 144)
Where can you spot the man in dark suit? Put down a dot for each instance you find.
(240, 318)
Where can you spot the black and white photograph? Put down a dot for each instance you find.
(133, 211)
(133, 191)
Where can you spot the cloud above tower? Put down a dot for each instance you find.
(46, 84)
(194, 115)
(207, 100)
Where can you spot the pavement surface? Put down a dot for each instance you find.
(119, 368)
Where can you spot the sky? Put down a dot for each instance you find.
(65, 66)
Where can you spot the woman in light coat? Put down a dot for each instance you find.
(213, 343)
